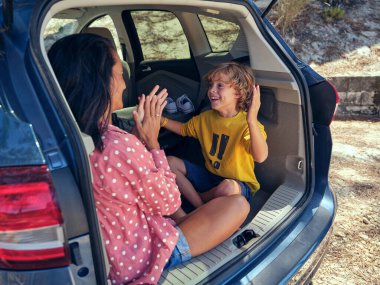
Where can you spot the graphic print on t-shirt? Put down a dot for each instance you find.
(222, 148)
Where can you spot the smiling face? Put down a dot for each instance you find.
(223, 96)
(117, 84)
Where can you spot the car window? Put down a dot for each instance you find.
(221, 34)
(161, 35)
(57, 29)
(106, 22)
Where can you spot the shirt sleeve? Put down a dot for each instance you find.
(162, 195)
(247, 136)
(136, 176)
(189, 129)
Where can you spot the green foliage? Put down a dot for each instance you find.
(332, 14)
(286, 11)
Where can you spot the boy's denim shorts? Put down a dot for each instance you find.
(203, 180)
(181, 252)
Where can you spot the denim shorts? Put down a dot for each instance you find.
(181, 252)
(203, 180)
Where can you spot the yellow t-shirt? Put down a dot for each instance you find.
(225, 145)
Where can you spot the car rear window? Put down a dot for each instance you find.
(58, 28)
(221, 34)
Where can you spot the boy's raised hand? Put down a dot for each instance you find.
(259, 146)
(253, 109)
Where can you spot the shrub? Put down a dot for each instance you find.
(286, 11)
(332, 14)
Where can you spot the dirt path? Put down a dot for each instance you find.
(354, 253)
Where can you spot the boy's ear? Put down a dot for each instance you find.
(237, 95)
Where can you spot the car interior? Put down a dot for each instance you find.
(174, 45)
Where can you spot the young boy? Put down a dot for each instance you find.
(231, 137)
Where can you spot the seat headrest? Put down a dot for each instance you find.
(100, 31)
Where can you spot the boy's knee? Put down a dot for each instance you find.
(242, 205)
(176, 164)
(173, 162)
(171, 159)
(238, 206)
(228, 187)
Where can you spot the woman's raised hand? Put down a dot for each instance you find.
(152, 106)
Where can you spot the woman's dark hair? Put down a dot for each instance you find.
(83, 66)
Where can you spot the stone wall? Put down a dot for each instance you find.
(358, 95)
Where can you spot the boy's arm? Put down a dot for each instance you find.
(259, 147)
(171, 125)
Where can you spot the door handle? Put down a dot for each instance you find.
(146, 68)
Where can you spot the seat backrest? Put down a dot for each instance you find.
(88, 143)
(106, 33)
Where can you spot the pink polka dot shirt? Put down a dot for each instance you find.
(134, 189)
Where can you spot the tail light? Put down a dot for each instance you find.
(337, 100)
(324, 99)
(31, 232)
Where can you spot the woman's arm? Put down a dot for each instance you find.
(154, 183)
(149, 174)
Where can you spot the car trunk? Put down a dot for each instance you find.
(286, 175)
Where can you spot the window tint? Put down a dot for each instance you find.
(106, 22)
(221, 34)
(57, 29)
(161, 35)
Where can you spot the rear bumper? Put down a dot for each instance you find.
(295, 254)
(308, 270)
(303, 250)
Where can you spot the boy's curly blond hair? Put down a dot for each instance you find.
(240, 77)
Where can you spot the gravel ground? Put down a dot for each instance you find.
(354, 253)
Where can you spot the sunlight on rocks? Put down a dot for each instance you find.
(359, 153)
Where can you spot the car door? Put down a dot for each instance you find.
(45, 180)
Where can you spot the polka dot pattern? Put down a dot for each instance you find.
(133, 189)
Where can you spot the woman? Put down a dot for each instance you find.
(134, 187)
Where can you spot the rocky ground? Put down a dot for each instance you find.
(350, 46)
